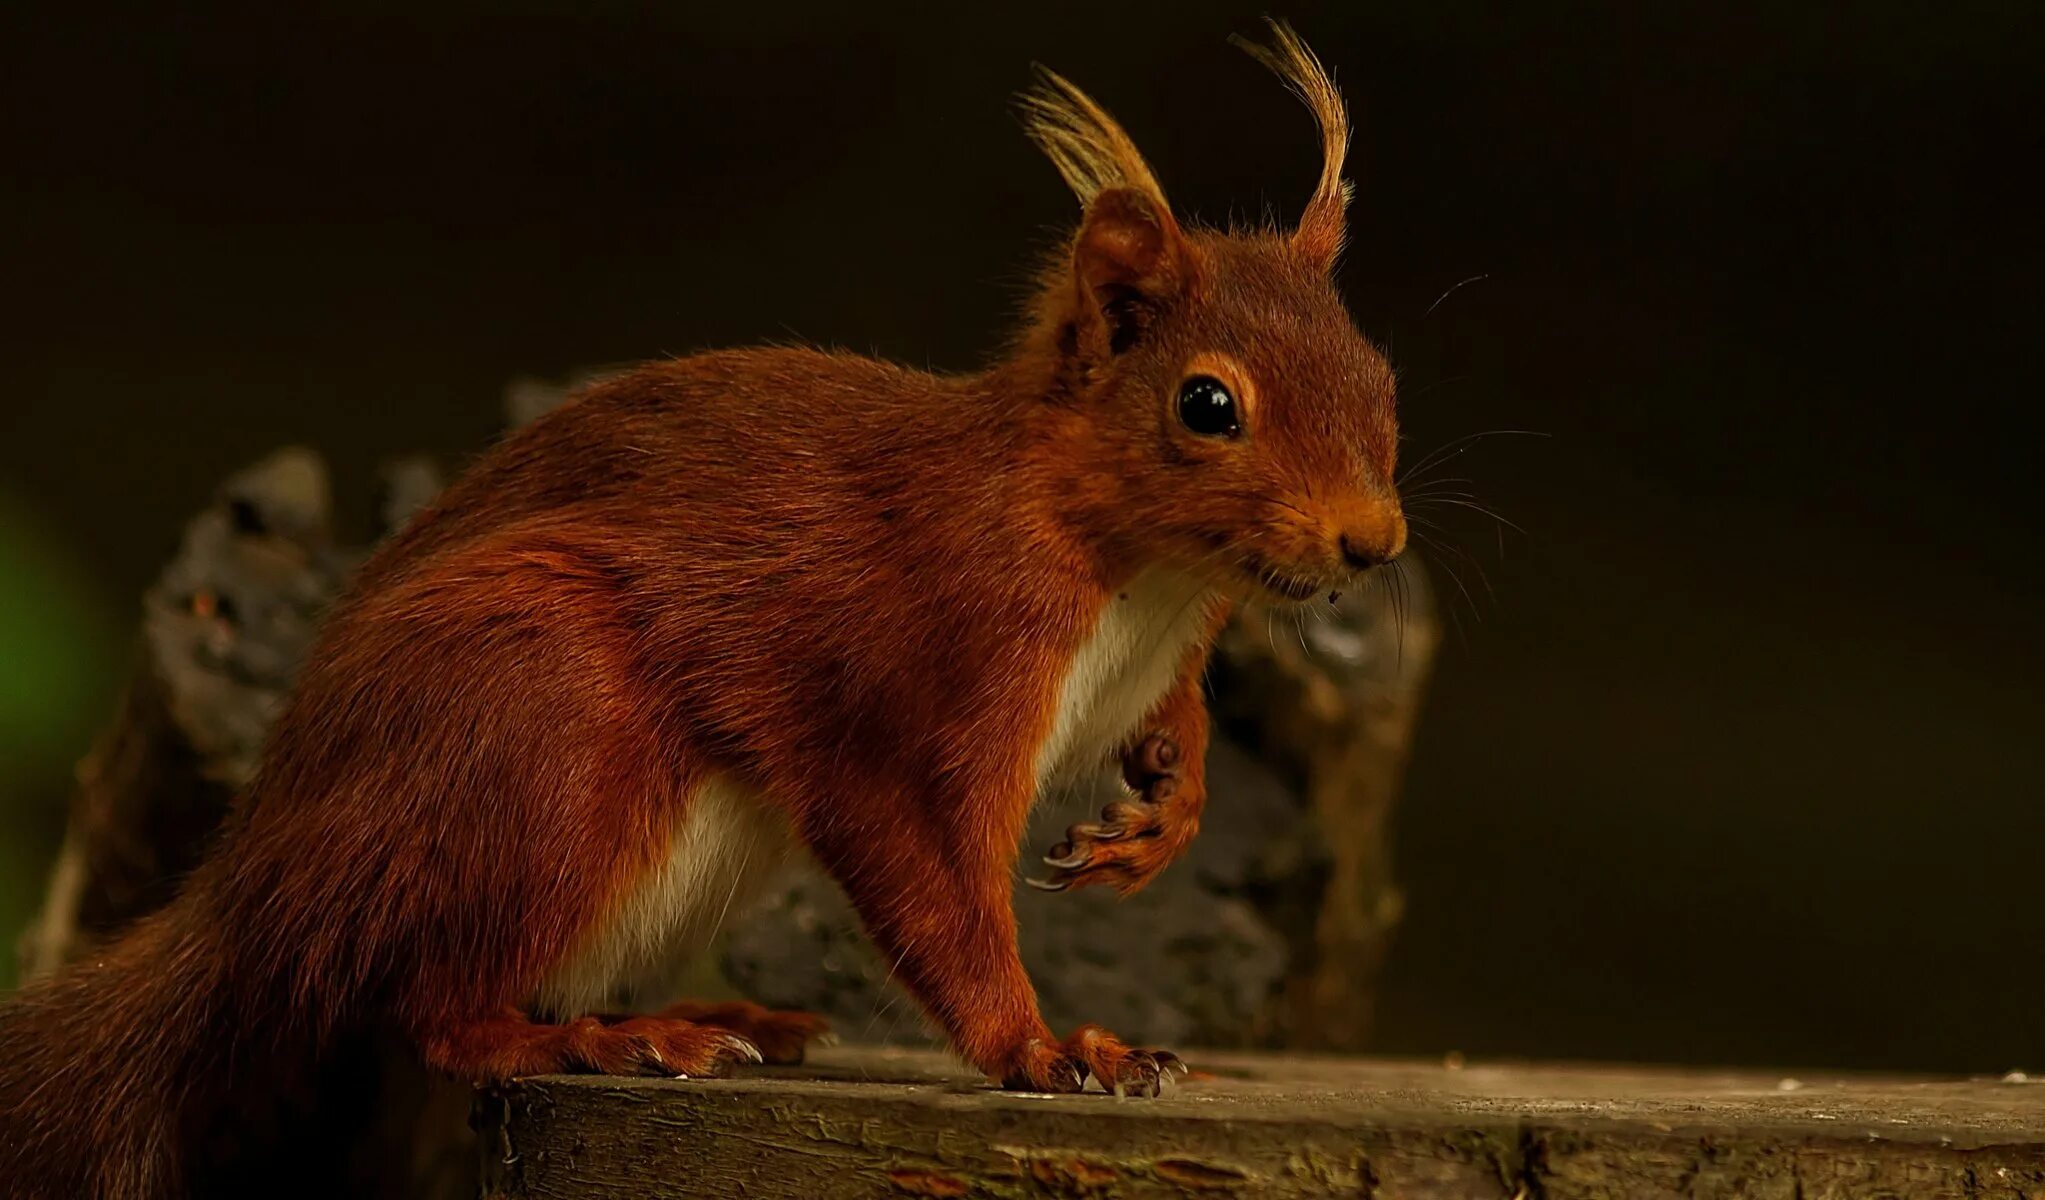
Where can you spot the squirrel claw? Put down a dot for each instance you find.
(1049, 885)
(1064, 858)
(1091, 831)
(1091, 1054)
(1047, 1071)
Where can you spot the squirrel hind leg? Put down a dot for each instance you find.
(509, 1045)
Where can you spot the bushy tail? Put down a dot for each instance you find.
(103, 1071)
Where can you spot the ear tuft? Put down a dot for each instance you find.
(1321, 224)
(1088, 147)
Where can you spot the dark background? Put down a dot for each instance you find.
(1735, 752)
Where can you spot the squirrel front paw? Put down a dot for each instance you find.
(1136, 838)
(1092, 1053)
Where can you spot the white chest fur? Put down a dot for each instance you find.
(726, 845)
(1133, 655)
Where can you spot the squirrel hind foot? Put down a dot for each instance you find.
(510, 1046)
(783, 1036)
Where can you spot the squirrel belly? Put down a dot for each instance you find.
(727, 845)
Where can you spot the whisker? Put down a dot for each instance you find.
(1475, 507)
(1400, 590)
(1452, 291)
(1385, 584)
(1406, 608)
(1264, 499)
(1435, 385)
(1445, 481)
(1458, 580)
(1468, 559)
(1464, 441)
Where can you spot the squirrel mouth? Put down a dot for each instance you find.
(1274, 580)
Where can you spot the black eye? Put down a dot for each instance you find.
(1206, 408)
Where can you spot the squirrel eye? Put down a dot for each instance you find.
(1207, 408)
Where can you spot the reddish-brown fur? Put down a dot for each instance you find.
(852, 586)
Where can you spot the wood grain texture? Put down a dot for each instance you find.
(872, 1122)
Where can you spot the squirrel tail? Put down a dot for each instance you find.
(104, 1071)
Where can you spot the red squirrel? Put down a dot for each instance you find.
(724, 605)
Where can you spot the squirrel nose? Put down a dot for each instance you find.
(1361, 550)
(1360, 555)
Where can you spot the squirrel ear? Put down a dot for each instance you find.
(1129, 257)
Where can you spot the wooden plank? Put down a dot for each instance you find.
(862, 1122)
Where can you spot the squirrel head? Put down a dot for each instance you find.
(1228, 415)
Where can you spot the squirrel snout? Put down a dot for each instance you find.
(1373, 544)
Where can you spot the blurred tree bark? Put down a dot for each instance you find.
(1332, 704)
(222, 632)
